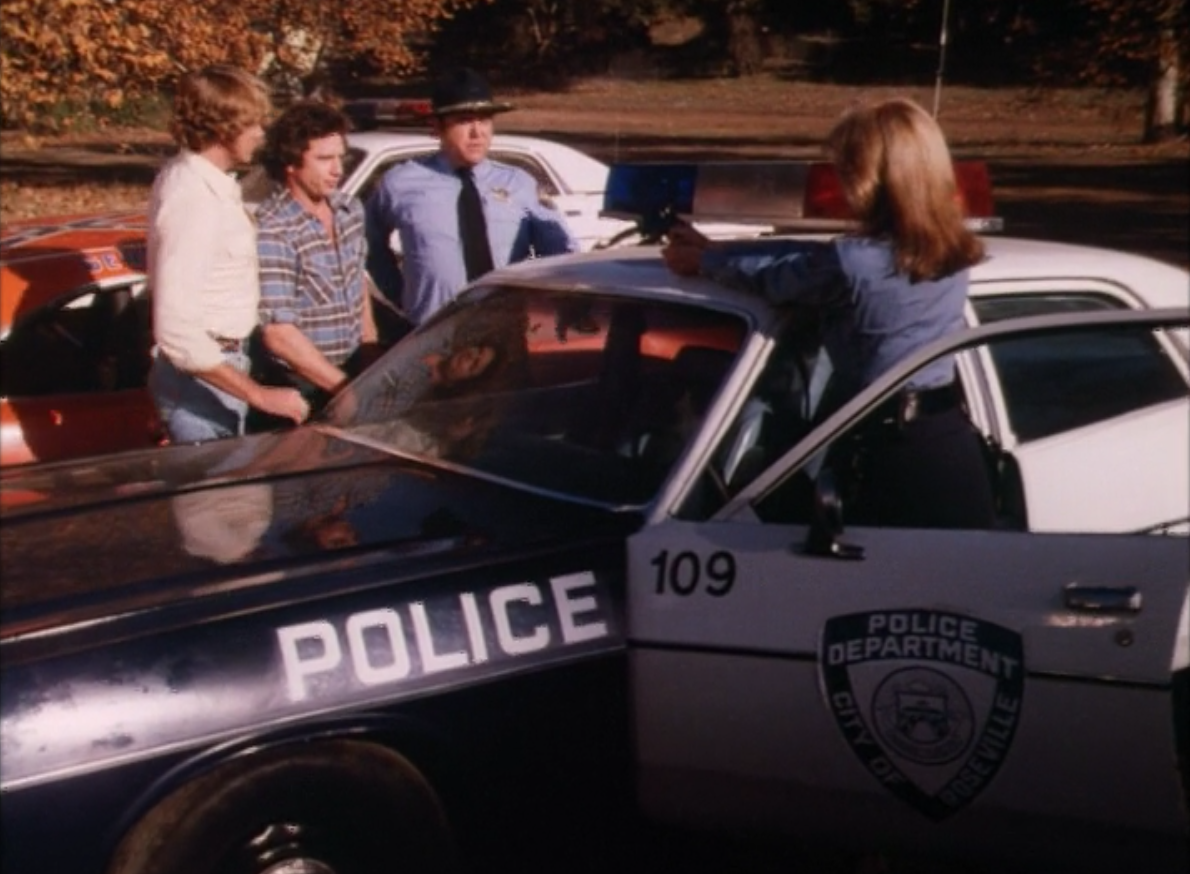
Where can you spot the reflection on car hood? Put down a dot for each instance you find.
(94, 538)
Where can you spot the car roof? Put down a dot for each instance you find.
(581, 172)
(635, 270)
(40, 259)
(1155, 283)
(640, 270)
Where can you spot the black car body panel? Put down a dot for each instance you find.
(179, 618)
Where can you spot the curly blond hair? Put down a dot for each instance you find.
(897, 176)
(215, 105)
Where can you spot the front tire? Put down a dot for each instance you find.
(332, 807)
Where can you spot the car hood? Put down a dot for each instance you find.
(84, 540)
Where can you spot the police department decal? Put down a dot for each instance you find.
(928, 700)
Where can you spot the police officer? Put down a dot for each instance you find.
(886, 291)
(458, 213)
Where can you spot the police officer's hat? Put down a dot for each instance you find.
(464, 90)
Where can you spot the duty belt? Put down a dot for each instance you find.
(911, 404)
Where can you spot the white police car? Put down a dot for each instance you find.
(577, 528)
(572, 180)
(1018, 693)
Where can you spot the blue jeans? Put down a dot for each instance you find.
(192, 410)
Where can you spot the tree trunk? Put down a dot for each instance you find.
(743, 40)
(1162, 110)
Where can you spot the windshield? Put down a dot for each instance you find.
(587, 395)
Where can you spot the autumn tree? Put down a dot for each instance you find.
(80, 54)
(385, 36)
(1149, 36)
(59, 56)
(1107, 43)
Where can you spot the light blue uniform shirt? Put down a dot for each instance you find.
(874, 316)
(419, 199)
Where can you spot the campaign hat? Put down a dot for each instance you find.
(464, 90)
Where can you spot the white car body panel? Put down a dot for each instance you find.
(1127, 474)
(736, 701)
(740, 715)
(740, 724)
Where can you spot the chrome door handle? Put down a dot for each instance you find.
(1102, 599)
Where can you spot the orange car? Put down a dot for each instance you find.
(75, 338)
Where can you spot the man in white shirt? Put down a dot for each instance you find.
(202, 264)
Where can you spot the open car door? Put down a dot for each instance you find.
(998, 694)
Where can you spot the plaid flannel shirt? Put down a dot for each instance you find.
(308, 281)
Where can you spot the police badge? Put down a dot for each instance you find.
(929, 701)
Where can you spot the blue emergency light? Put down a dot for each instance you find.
(653, 195)
(782, 195)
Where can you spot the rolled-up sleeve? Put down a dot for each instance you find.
(784, 272)
(184, 231)
(278, 277)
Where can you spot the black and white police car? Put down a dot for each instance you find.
(572, 539)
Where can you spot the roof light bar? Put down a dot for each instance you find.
(373, 113)
(786, 195)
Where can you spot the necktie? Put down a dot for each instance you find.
(473, 229)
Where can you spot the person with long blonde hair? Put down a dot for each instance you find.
(894, 285)
(202, 263)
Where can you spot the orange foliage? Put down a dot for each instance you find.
(103, 52)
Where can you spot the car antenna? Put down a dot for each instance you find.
(941, 56)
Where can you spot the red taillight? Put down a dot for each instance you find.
(823, 197)
(824, 194)
(975, 188)
(411, 107)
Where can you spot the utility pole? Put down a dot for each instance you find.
(941, 56)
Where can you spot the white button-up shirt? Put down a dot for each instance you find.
(201, 261)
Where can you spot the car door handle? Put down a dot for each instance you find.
(1102, 599)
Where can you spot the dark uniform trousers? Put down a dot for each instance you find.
(920, 463)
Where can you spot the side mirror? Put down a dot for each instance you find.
(827, 525)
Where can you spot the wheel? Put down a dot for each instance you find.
(335, 807)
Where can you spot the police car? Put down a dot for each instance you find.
(75, 330)
(571, 180)
(75, 337)
(577, 533)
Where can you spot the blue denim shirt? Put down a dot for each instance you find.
(874, 316)
(419, 199)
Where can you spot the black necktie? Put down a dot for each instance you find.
(473, 229)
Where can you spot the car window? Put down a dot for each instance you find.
(1060, 382)
(778, 411)
(590, 396)
(97, 340)
(1127, 475)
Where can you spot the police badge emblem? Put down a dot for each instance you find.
(928, 700)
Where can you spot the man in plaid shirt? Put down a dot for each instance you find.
(315, 302)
